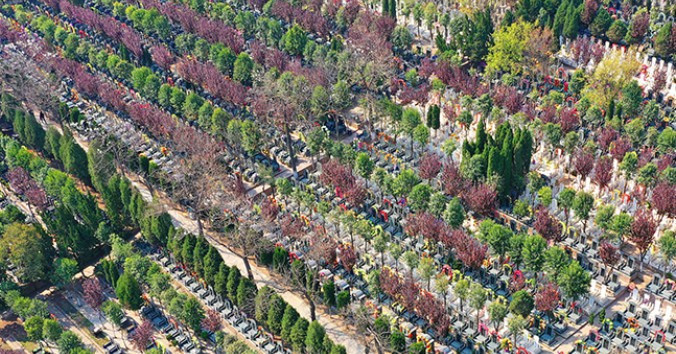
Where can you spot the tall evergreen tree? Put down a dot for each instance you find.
(34, 135)
(129, 292)
(221, 280)
(560, 19)
(663, 46)
(393, 9)
(572, 25)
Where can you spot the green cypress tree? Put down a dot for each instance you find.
(221, 280)
(494, 166)
(288, 320)
(187, 252)
(314, 341)
(663, 41)
(246, 295)
(276, 314)
(198, 254)
(507, 166)
(212, 262)
(560, 19)
(262, 304)
(481, 136)
(523, 152)
(385, 7)
(114, 207)
(74, 159)
(52, 140)
(299, 334)
(508, 19)
(234, 277)
(601, 23)
(329, 292)
(125, 194)
(572, 25)
(19, 125)
(34, 135)
(393, 9)
(129, 292)
(176, 247)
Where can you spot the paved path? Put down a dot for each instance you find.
(69, 324)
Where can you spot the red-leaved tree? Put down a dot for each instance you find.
(212, 321)
(452, 181)
(429, 166)
(143, 335)
(610, 256)
(547, 298)
(664, 199)
(603, 171)
(548, 226)
(482, 199)
(348, 258)
(583, 163)
(93, 292)
(642, 231)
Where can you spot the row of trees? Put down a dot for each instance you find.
(268, 308)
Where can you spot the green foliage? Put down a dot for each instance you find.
(129, 292)
(294, 40)
(662, 43)
(420, 196)
(234, 278)
(556, 260)
(574, 281)
(64, 271)
(246, 293)
(601, 23)
(299, 334)
(342, 299)
(69, 342)
(329, 293)
(288, 321)
(51, 330)
(192, 313)
(34, 327)
(533, 252)
(314, 341)
(522, 303)
(26, 247)
(276, 314)
(617, 31)
(507, 52)
(243, 66)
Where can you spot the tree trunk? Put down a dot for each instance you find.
(247, 265)
(289, 146)
(382, 259)
(200, 229)
(445, 305)
(313, 314)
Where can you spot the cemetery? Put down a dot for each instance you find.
(339, 176)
